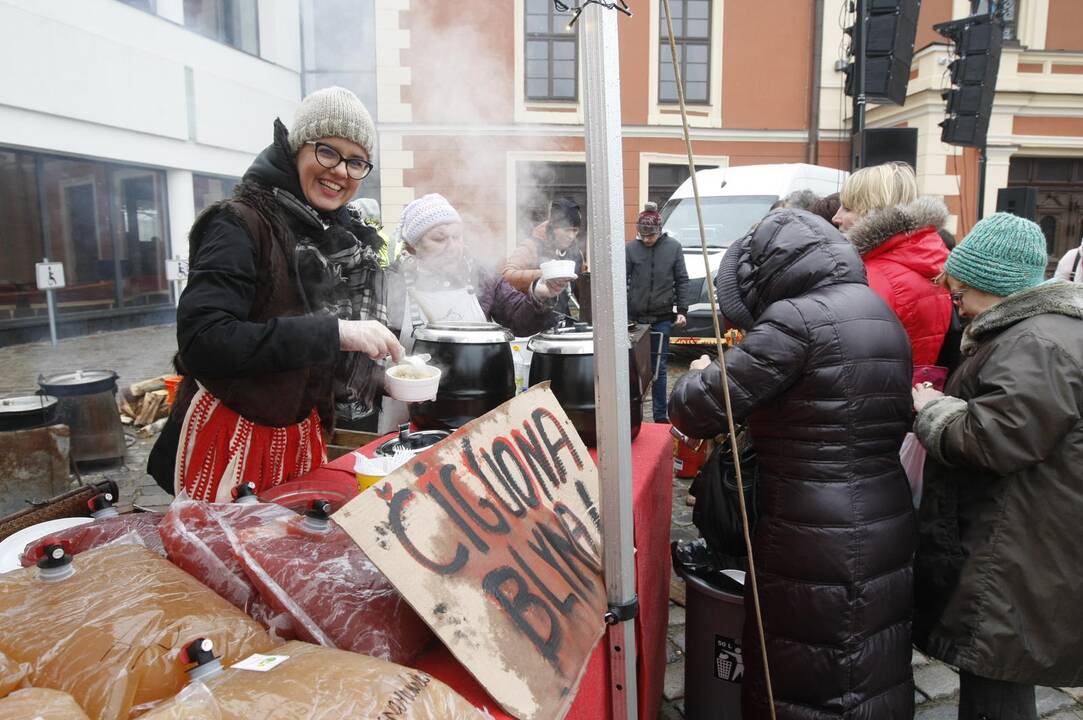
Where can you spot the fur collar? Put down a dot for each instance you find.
(1052, 297)
(877, 227)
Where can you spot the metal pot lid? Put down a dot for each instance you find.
(26, 403)
(412, 441)
(575, 339)
(469, 333)
(79, 377)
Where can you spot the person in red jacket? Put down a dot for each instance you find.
(895, 231)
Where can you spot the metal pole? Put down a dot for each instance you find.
(981, 183)
(51, 305)
(857, 137)
(812, 154)
(605, 203)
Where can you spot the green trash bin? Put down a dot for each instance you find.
(713, 660)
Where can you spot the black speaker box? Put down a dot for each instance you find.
(890, 29)
(884, 145)
(978, 41)
(889, 48)
(1021, 201)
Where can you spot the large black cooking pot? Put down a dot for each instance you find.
(565, 357)
(478, 372)
(27, 411)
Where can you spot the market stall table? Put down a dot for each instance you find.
(652, 474)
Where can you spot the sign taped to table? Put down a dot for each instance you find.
(493, 536)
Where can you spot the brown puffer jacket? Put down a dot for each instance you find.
(521, 267)
(999, 579)
(823, 380)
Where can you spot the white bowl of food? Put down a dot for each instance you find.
(558, 270)
(412, 383)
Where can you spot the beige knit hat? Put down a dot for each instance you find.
(332, 112)
(424, 214)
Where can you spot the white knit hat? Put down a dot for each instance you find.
(424, 214)
(332, 112)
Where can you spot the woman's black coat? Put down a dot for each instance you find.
(822, 379)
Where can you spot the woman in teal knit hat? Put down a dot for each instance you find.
(998, 579)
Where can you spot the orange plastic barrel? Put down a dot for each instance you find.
(688, 454)
(171, 384)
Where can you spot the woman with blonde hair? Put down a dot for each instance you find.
(895, 232)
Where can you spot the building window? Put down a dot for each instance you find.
(551, 54)
(664, 179)
(538, 183)
(1005, 9)
(233, 22)
(105, 222)
(209, 189)
(691, 30)
(20, 237)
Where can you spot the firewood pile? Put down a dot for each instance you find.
(145, 405)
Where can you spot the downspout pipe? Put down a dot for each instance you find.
(813, 152)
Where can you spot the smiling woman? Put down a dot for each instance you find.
(331, 172)
(283, 314)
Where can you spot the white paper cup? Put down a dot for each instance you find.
(402, 383)
(558, 270)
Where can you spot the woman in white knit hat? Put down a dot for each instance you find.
(283, 313)
(435, 279)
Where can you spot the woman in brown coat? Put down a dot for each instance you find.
(999, 580)
(554, 239)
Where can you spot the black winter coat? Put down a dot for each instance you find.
(999, 577)
(822, 379)
(657, 279)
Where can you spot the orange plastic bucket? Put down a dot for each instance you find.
(688, 454)
(171, 384)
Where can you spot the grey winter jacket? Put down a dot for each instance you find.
(657, 279)
(999, 574)
(822, 379)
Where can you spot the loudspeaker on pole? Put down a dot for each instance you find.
(890, 145)
(1021, 201)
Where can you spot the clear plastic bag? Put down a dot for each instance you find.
(318, 682)
(81, 538)
(912, 455)
(40, 704)
(111, 633)
(194, 702)
(199, 538)
(335, 595)
(12, 675)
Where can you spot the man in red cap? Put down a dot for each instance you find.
(657, 293)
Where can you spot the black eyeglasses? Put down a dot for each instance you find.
(330, 158)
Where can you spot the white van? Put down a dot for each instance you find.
(732, 199)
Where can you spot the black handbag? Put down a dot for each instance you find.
(717, 512)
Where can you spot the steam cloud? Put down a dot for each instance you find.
(463, 78)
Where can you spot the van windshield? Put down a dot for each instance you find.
(725, 219)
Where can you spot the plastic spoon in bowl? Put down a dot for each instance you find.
(417, 361)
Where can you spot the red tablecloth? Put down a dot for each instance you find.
(652, 473)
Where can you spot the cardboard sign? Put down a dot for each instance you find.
(50, 275)
(493, 537)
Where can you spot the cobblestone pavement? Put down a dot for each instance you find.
(135, 355)
(937, 685)
(147, 352)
